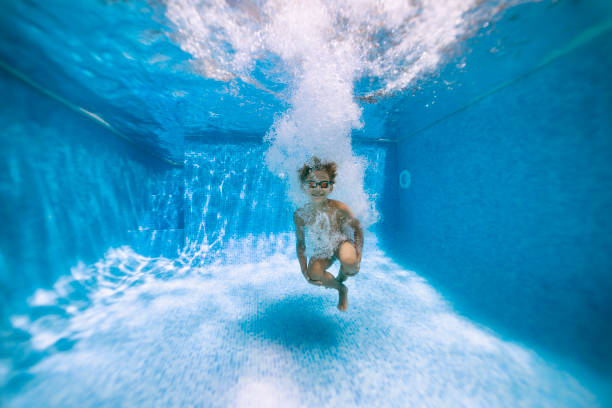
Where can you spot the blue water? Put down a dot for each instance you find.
(147, 255)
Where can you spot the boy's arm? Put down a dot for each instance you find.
(300, 245)
(358, 236)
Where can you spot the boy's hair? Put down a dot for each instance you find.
(316, 164)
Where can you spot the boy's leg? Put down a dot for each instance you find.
(347, 255)
(317, 272)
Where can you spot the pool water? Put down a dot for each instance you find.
(148, 184)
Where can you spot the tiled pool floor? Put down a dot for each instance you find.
(158, 333)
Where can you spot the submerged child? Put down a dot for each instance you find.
(326, 230)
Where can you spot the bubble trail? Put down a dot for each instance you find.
(323, 49)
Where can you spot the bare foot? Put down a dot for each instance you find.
(342, 298)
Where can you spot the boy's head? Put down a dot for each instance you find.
(318, 179)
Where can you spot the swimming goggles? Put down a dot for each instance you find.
(313, 184)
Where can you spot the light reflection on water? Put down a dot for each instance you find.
(136, 331)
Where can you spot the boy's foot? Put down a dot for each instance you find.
(343, 298)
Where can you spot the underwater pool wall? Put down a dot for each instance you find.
(71, 190)
(508, 210)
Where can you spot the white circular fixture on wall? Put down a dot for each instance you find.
(405, 179)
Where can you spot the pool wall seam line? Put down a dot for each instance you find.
(585, 37)
(84, 112)
(155, 229)
(216, 138)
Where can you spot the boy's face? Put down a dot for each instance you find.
(318, 186)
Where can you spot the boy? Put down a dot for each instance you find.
(326, 230)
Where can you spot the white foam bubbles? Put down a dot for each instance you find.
(323, 49)
(395, 41)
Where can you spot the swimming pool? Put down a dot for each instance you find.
(148, 256)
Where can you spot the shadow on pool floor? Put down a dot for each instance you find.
(295, 322)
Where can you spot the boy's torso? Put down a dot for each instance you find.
(326, 227)
(336, 217)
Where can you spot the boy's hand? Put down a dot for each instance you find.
(314, 282)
